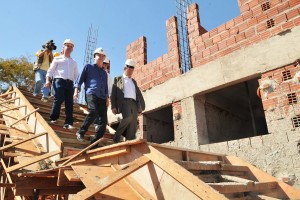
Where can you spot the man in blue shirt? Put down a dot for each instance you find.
(94, 78)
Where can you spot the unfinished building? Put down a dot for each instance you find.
(238, 104)
(241, 96)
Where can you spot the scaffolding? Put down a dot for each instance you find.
(185, 59)
(91, 43)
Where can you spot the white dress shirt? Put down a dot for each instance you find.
(129, 88)
(109, 83)
(63, 67)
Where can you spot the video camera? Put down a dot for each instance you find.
(50, 45)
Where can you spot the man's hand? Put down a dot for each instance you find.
(114, 111)
(107, 102)
(47, 84)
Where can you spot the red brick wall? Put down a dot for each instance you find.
(285, 97)
(254, 24)
(248, 28)
(162, 68)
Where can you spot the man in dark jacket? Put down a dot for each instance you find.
(127, 99)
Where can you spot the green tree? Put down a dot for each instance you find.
(17, 72)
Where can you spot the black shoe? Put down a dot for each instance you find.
(79, 137)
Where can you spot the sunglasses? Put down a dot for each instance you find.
(130, 67)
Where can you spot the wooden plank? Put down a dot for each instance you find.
(101, 184)
(191, 182)
(14, 108)
(23, 117)
(135, 185)
(81, 152)
(7, 185)
(100, 155)
(63, 180)
(6, 93)
(216, 166)
(33, 160)
(21, 142)
(232, 187)
(7, 101)
(71, 175)
(289, 191)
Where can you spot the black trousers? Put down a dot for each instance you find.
(97, 110)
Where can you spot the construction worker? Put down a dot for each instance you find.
(94, 78)
(64, 71)
(127, 99)
(44, 58)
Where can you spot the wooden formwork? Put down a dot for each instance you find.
(33, 166)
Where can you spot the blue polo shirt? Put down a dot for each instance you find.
(95, 81)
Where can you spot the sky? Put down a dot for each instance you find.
(25, 25)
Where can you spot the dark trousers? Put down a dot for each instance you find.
(128, 124)
(63, 92)
(97, 110)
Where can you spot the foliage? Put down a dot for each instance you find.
(17, 72)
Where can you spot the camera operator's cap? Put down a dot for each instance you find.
(130, 63)
(106, 60)
(99, 51)
(69, 41)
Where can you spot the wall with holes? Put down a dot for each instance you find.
(280, 93)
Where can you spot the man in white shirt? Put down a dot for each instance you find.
(127, 99)
(64, 71)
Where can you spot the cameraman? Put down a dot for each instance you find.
(44, 58)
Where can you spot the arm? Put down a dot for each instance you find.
(113, 97)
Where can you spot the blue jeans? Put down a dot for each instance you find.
(63, 92)
(40, 80)
(97, 110)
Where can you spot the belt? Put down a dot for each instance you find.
(129, 99)
(67, 80)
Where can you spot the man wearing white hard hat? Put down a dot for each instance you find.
(106, 67)
(64, 71)
(94, 78)
(127, 99)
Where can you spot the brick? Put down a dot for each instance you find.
(214, 49)
(208, 43)
(205, 36)
(253, 4)
(261, 27)
(265, 35)
(229, 24)
(250, 33)
(283, 7)
(221, 28)
(256, 11)
(293, 3)
(292, 13)
(206, 53)
(247, 15)
(272, 12)
(275, 2)
(222, 45)
(231, 41)
(240, 37)
(262, 17)
(296, 21)
(233, 31)
(244, 8)
(225, 35)
(213, 32)
(280, 18)
(217, 39)
(238, 20)
(288, 25)
(252, 22)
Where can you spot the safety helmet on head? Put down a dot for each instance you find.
(56, 54)
(106, 60)
(99, 51)
(69, 41)
(130, 63)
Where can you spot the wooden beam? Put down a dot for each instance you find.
(7, 185)
(33, 160)
(3, 102)
(23, 117)
(71, 175)
(63, 180)
(81, 152)
(232, 187)
(21, 142)
(101, 184)
(135, 186)
(5, 94)
(188, 180)
(14, 108)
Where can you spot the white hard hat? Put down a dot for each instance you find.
(69, 41)
(106, 60)
(130, 62)
(99, 51)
